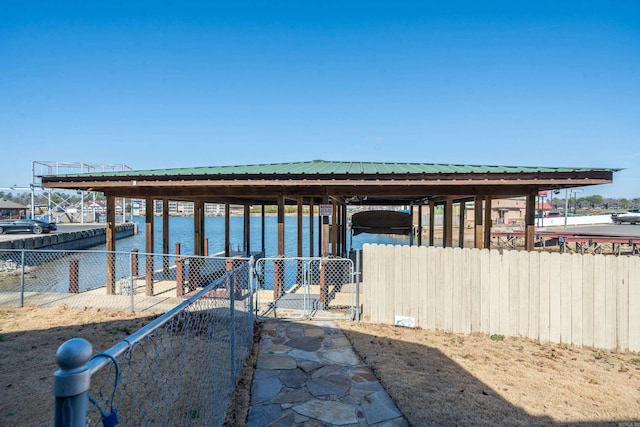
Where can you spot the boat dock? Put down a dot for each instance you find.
(573, 241)
(66, 237)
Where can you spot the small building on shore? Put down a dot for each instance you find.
(12, 210)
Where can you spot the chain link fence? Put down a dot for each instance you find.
(108, 280)
(296, 288)
(179, 370)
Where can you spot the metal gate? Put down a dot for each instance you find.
(305, 288)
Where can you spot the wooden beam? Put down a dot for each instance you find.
(325, 230)
(420, 224)
(463, 207)
(247, 230)
(198, 228)
(111, 245)
(149, 247)
(299, 212)
(311, 228)
(487, 222)
(165, 236)
(262, 231)
(448, 224)
(530, 223)
(432, 222)
(227, 230)
(280, 225)
(334, 228)
(477, 222)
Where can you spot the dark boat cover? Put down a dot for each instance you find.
(381, 222)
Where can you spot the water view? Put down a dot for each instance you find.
(181, 231)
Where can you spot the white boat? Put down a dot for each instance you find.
(632, 217)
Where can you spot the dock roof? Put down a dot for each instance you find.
(382, 183)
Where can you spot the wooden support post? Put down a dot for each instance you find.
(179, 275)
(198, 227)
(299, 216)
(530, 223)
(311, 229)
(432, 222)
(420, 224)
(281, 225)
(447, 237)
(343, 229)
(134, 262)
(165, 238)
(299, 212)
(262, 230)
(205, 247)
(177, 246)
(149, 248)
(461, 218)
(412, 231)
(111, 245)
(247, 230)
(487, 222)
(334, 229)
(74, 276)
(477, 222)
(227, 230)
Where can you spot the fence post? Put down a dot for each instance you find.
(22, 278)
(179, 276)
(71, 383)
(74, 279)
(250, 287)
(134, 262)
(358, 285)
(232, 335)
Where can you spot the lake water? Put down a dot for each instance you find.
(181, 231)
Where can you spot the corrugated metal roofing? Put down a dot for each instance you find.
(322, 167)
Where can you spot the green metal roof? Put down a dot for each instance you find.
(322, 167)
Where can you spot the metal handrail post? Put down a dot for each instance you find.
(250, 287)
(358, 285)
(232, 334)
(22, 278)
(71, 383)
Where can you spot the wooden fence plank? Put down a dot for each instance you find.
(475, 292)
(588, 271)
(599, 302)
(440, 288)
(634, 304)
(504, 301)
(466, 302)
(565, 298)
(448, 288)
(423, 278)
(576, 299)
(513, 287)
(555, 298)
(622, 303)
(611, 302)
(534, 296)
(416, 285)
(456, 287)
(544, 330)
(432, 255)
(485, 291)
(523, 293)
(494, 298)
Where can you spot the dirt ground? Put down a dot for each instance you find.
(435, 378)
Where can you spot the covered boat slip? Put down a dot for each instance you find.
(328, 188)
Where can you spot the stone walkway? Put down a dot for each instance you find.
(307, 374)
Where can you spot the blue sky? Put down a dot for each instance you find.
(182, 84)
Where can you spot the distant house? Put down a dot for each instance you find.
(12, 210)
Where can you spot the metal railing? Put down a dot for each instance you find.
(181, 369)
(130, 281)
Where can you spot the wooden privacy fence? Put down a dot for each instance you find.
(583, 300)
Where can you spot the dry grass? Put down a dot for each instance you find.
(436, 378)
